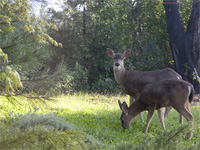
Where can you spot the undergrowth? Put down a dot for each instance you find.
(41, 138)
(87, 121)
(44, 131)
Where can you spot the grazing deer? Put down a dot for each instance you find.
(172, 92)
(133, 81)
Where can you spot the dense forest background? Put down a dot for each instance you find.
(86, 28)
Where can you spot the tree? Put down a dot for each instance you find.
(184, 42)
(10, 13)
(117, 24)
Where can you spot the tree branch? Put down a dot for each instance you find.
(179, 3)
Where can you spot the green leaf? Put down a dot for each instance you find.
(10, 28)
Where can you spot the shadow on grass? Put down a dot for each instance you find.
(101, 121)
(105, 125)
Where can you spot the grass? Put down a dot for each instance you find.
(97, 116)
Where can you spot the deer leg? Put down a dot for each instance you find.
(181, 119)
(167, 110)
(190, 133)
(185, 111)
(131, 101)
(141, 116)
(161, 117)
(149, 116)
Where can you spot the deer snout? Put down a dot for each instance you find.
(117, 64)
(125, 126)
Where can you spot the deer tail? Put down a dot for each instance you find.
(191, 93)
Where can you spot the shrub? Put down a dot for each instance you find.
(41, 138)
(49, 121)
(45, 131)
(105, 85)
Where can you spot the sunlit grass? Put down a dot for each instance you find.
(98, 115)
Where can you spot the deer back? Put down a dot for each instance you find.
(167, 93)
(134, 81)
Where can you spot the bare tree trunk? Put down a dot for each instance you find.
(184, 45)
(84, 18)
(194, 30)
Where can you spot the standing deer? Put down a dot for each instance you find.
(133, 81)
(172, 92)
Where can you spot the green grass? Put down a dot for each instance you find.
(97, 116)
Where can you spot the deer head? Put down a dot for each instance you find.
(170, 92)
(118, 57)
(125, 119)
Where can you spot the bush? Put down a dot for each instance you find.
(45, 131)
(49, 121)
(74, 81)
(41, 138)
(105, 85)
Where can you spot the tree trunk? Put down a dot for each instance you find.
(84, 18)
(184, 45)
(194, 29)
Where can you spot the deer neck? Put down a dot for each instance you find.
(119, 73)
(136, 108)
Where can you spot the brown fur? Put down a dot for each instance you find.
(133, 81)
(137, 80)
(171, 92)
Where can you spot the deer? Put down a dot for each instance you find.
(170, 92)
(133, 81)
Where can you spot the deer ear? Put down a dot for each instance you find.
(120, 104)
(127, 53)
(123, 106)
(110, 52)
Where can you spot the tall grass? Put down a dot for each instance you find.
(97, 116)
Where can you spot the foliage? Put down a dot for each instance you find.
(46, 82)
(40, 137)
(18, 10)
(79, 79)
(137, 25)
(105, 85)
(10, 13)
(33, 61)
(49, 121)
(151, 49)
(9, 78)
(85, 34)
